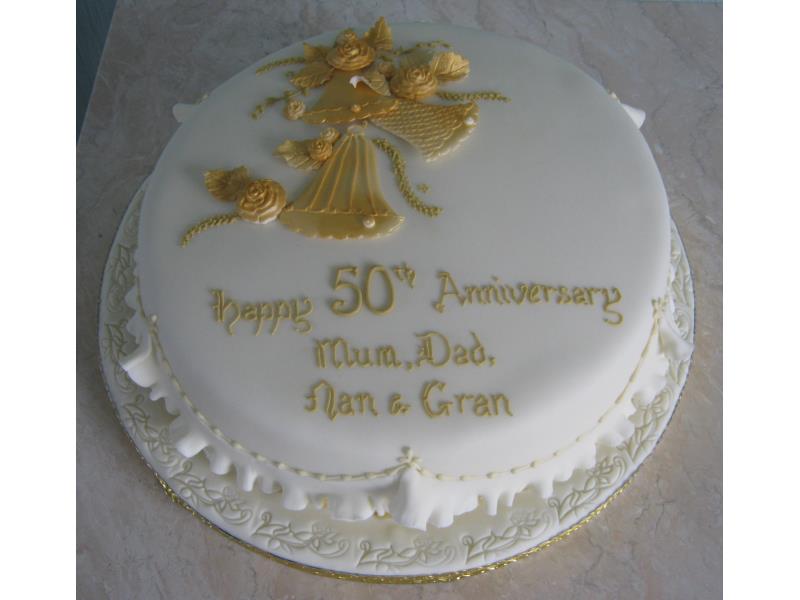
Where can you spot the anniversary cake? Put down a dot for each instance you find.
(407, 272)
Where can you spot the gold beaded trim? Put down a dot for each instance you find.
(420, 46)
(461, 96)
(292, 60)
(399, 170)
(207, 224)
(269, 101)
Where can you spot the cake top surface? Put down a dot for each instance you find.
(471, 343)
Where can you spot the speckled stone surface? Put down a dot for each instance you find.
(661, 539)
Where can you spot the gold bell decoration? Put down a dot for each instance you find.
(344, 201)
(347, 98)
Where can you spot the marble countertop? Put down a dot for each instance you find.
(662, 538)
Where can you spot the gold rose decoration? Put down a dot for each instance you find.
(309, 154)
(262, 201)
(365, 79)
(294, 109)
(320, 150)
(350, 53)
(414, 83)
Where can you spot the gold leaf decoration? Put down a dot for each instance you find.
(313, 75)
(416, 57)
(449, 66)
(314, 53)
(380, 35)
(227, 186)
(296, 154)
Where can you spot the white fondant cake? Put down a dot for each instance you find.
(456, 358)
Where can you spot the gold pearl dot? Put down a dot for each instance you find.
(356, 108)
(369, 222)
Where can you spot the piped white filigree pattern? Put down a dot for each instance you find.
(321, 540)
(424, 551)
(523, 526)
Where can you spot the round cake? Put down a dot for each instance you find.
(408, 271)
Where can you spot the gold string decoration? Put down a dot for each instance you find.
(207, 224)
(292, 60)
(344, 201)
(421, 46)
(470, 96)
(399, 170)
(269, 101)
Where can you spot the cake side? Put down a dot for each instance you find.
(557, 189)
